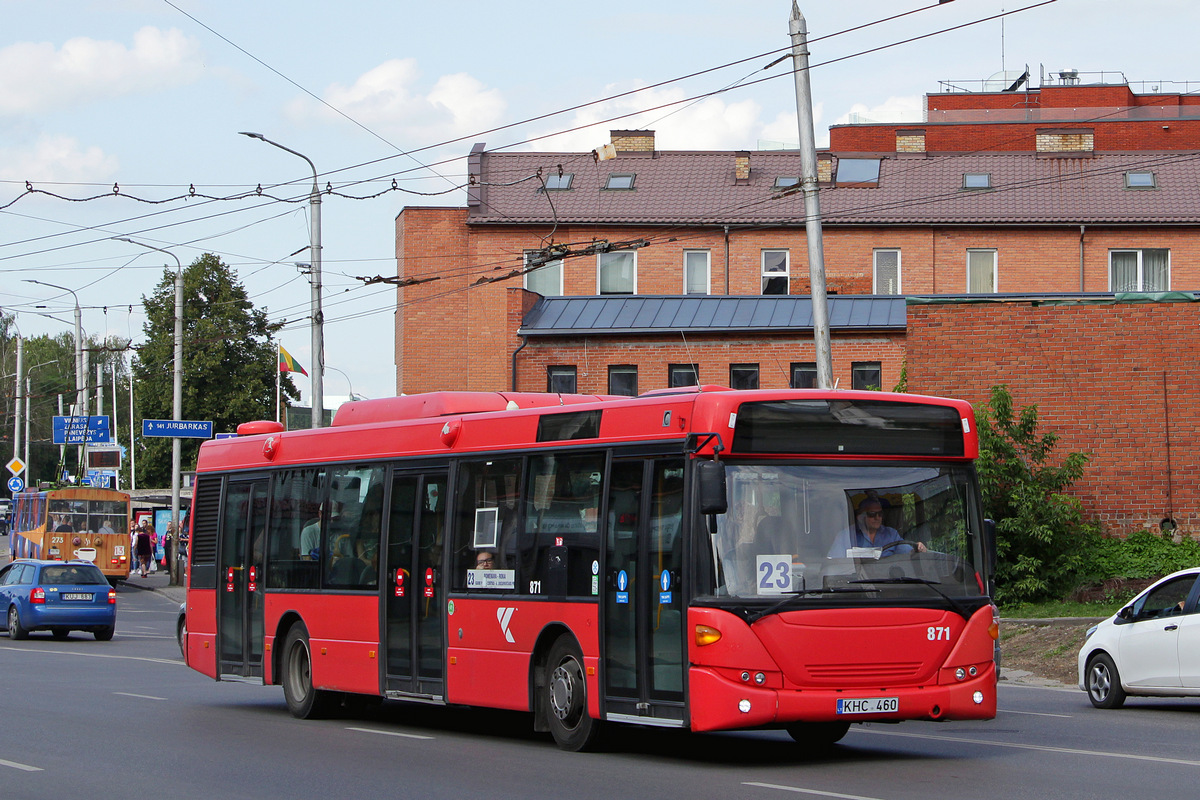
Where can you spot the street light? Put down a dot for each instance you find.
(28, 405)
(176, 400)
(80, 396)
(353, 396)
(318, 320)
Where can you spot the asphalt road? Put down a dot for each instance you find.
(125, 719)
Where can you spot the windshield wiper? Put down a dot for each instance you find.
(791, 598)
(924, 582)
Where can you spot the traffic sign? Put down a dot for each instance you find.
(81, 430)
(16, 485)
(177, 428)
(16, 466)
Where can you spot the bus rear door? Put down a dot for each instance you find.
(414, 608)
(240, 579)
(643, 601)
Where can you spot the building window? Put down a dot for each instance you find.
(696, 271)
(560, 379)
(546, 280)
(858, 171)
(887, 272)
(618, 273)
(622, 380)
(559, 183)
(775, 271)
(743, 376)
(981, 271)
(866, 375)
(1139, 270)
(620, 181)
(683, 375)
(977, 180)
(804, 374)
(1140, 180)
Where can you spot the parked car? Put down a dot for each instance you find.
(1150, 647)
(57, 596)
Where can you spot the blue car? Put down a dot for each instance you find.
(57, 596)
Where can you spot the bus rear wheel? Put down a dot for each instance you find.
(565, 701)
(818, 735)
(303, 701)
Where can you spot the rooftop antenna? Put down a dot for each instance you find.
(1002, 41)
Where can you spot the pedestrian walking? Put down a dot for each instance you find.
(144, 547)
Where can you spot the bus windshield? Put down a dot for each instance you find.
(855, 533)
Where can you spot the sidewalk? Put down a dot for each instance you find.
(159, 582)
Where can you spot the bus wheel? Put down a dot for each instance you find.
(818, 735)
(303, 700)
(566, 698)
(15, 629)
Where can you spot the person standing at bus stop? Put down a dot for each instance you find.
(144, 547)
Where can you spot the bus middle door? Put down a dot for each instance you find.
(240, 579)
(643, 602)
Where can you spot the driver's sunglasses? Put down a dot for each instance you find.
(874, 513)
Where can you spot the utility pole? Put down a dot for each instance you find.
(17, 410)
(812, 202)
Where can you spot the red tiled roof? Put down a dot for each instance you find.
(698, 188)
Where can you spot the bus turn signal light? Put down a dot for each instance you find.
(707, 635)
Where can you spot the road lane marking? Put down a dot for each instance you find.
(798, 790)
(1036, 714)
(1040, 748)
(176, 662)
(390, 733)
(142, 696)
(17, 765)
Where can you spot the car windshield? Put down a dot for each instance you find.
(71, 575)
(867, 532)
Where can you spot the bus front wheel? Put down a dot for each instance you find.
(818, 735)
(303, 700)
(566, 703)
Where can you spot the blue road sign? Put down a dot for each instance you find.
(225, 436)
(81, 430)
(16, 485)
(182, 429)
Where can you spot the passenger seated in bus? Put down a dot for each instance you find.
(105, 526)
(870, 532)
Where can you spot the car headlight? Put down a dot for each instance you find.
(1090, 631)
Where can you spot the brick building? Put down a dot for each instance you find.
(573, 272)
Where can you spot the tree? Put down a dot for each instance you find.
(1042, 538)
(229, 361)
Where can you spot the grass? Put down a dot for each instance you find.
(1063, 608)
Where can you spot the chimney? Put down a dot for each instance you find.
(741, 168)
(632, 141)
(910, 141)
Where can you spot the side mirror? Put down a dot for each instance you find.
(989, 525)
(1125, 613)
(711, 485)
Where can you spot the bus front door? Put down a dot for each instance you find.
(414, 609)
(240, 583)
(643, 604)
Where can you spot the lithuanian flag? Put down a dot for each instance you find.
(289, 364)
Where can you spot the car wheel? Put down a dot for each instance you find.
(15, 629)
(1104, 682)
(60, 633)
(303, 700)
(817, 735)
(105, 634)
(565, 701)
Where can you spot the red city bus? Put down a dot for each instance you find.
(703, 558)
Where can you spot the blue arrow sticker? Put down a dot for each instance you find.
(622, 581)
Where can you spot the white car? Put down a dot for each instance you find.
(1150, 647)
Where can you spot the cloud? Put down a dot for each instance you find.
(39, 78)
(390, 99)
(708, 124)
(894, 109)
(58, 159)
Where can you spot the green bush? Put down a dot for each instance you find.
(1143, 555)
(1042, 539)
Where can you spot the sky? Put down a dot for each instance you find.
(123, 116)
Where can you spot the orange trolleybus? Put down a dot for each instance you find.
(704, 559)
(73, 523)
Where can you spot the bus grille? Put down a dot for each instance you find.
(889, 670)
